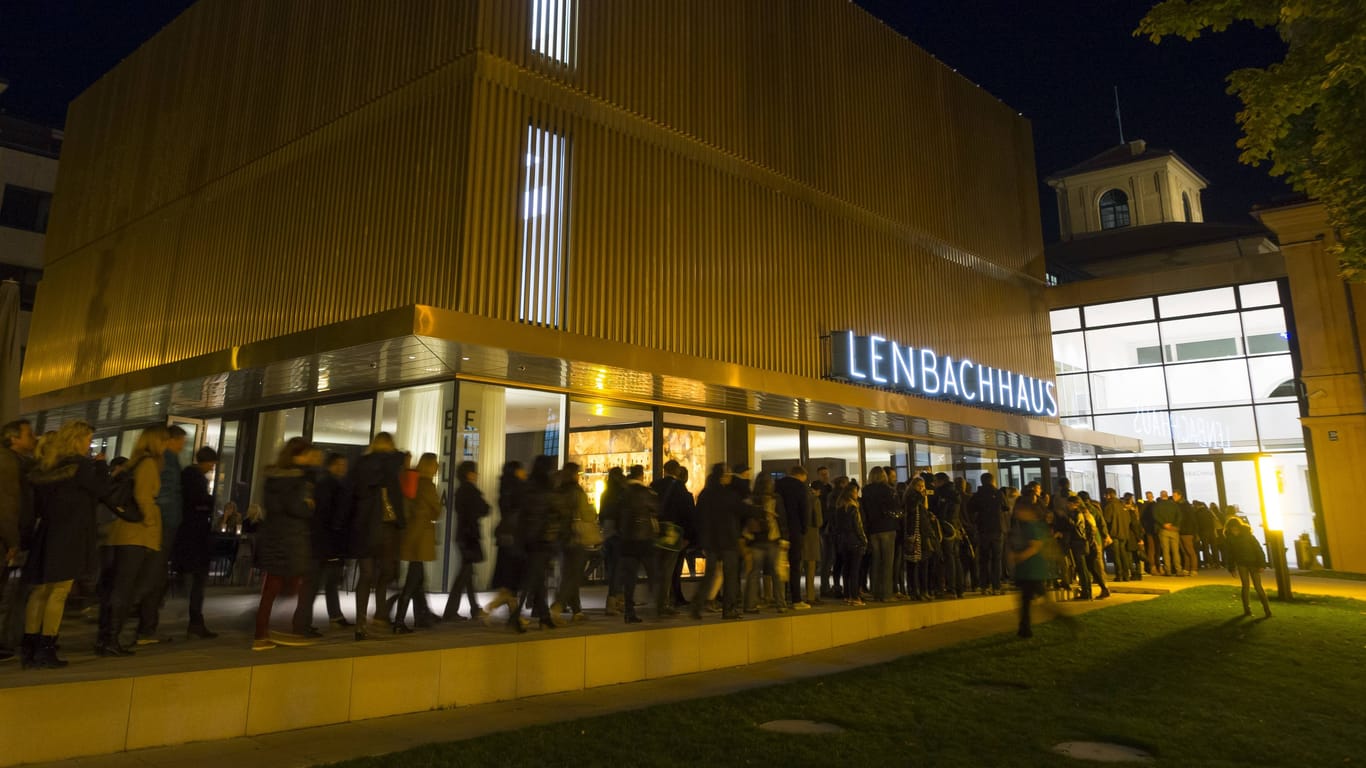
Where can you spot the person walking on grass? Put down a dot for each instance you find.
(1030, 540)
(1244, 556)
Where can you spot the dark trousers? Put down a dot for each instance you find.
(328, 578)
(676, 595)
(572, 579)
(919, 573)
(533, 591)
(374, 574)
(414, 592)
(851, 559)
(199, 579)
(828, 575)
(989, 563)
(611, 564)
(729, 573)
(1029, 589)
(154, 594)
(1123, 563)
(794, 568)
(271, 587)
(952, 566)
(632, 559)
(13, 601)
(134, 573)
(666, 562)
(463, 584)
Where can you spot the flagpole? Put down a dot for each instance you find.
(1118, 117)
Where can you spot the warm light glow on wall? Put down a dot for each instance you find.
(1273, 487)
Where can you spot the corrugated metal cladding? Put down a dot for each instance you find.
(743, 178)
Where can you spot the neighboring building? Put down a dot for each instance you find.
(1130, 185)
(509, 227)
(28, 175)
(1186, 336)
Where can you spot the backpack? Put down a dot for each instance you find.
(120, 501)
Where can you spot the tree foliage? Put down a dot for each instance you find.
(1305, 114)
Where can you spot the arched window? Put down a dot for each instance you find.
(1114, 210)
(1186, 205)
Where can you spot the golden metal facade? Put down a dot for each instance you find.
(743, 178)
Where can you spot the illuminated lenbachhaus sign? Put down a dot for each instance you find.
(880, 362)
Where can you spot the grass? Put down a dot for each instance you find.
(1183, 676)
(1322, 574)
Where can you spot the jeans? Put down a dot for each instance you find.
(882, 547)
(628, 569)
(724, 566)
(533, 590)
(850, 557)
(829, 578)
(919, 578)
(1123, 564)
(1171, 550)
(794, 568)
(611, 564)
(989, 563)
(1078, 550)
(765, 563)
(327, 576)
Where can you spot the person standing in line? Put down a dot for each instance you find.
(470, 510)
(796, 503)
(832, 565)
(880, 525)
(609, 515)
(17, 443)
(135, 546)
(1167, 519)
(540, 530)
(639, 526)
(284, 551)
(984, 509)
(674, 509)
(509, 568)
(580, 535)
(172, 504)
(947, 509)
(1096, 539)
(376, 524)
(417, 546)
(1245, 557)
(921, 540)
(719, 511)
(823, 488)
(1150, 533)
(1120, 525)
(194, 538)
(331, 521)
(67, 485)
(811, 543)
(1009, 496)
(846, 528)
(1187, 528)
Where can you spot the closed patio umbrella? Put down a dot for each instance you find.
(9, 350)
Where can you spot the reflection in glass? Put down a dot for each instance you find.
(1196, 302)
(1221, 382)
(272, 430)
(1240, 491)
(1201, 338)
(1131, 311)
(345, 427)
(1272, 378)
(1141, 388)
(1152, 427)
(837, 452)
(776, 449)
(1069, 352)
(1265, 329)
(1225, 429)
(1120, 477)
(1123, 347)
(1074, 395)
(1201, 484)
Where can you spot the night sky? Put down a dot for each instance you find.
(1056, 62)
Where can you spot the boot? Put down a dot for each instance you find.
(110, 646)
(45, 655)
(197, 629)
(28, 651)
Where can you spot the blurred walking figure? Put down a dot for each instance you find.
(284, 544)
(417, 545)
(67, 485)
(580, 535)
(376, 522)
(1244, 555)
(1030, 541)
(470, 510)
(510, 565)
(719, 508)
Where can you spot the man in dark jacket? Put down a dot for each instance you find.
(17, 442)
(194, 538)
(331, 523)
(639, 525)
(1167, 522)
(984, 509)
(675, 507)
(719, 510)
(947, 508)
(797, 506)
(1119, 523)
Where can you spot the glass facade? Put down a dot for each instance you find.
(1205, 379)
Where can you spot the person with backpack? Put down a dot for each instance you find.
(134, 542)
(639, 527)
(193, 546)
(376, 524)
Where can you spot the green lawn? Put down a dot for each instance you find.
(1183, 676)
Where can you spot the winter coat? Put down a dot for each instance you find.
(815, 521)
(984, 509)
(373, 479)
(845, 525)
(879, 509)
(417, 542)
(194, 538)
(1119, 520)
(719, 508)
(147, 532)
(796, 502)
(676, 505)
(16, 500)
(331, 517)
(1190, 524)
(470, 509)
(65, 532)
(637, 521)
(583, 530)
(543, 518)
(284, 540)
(169, 495)
(1244, 550)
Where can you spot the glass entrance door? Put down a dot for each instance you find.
(1155, 476)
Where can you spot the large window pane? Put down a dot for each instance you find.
(1240, 494)
(1149, 426)
(1201, 484)
(345, 427)
(1231, 430)
(1196, 302)
(273, 429)
(1279, 426)
(603, 436)
(1141, 388)
(1259, 294)
(1074, 395)
(1297, 517)
(777, 449)
(1265, 329)
(1114, 313)
(1065, 319)
(1222, 382)
(1155, 477)
(888, 453)
(1123, 347)
(1272, 378)
(838, 453)
(695, 442)
(1069, 352)
(1120, 477)
(1081, 476)
(1201, 338)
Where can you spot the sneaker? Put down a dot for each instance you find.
(579, 617)
(262, 645)
(801, 606)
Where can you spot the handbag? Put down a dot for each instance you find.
(388, 515)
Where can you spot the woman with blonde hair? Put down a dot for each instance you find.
(134, 544)
(376, 523)
(67, 485)
(417, 545)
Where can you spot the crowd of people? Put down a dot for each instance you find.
(780, 543)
